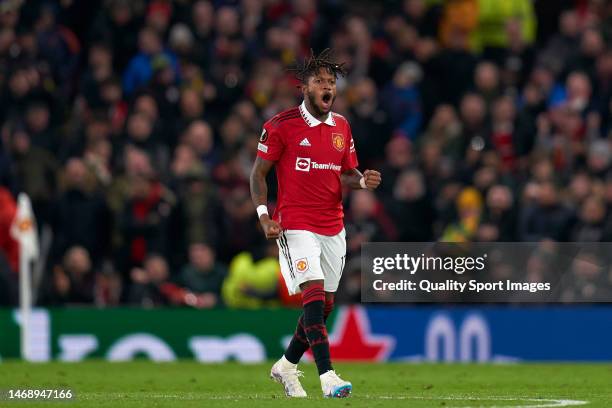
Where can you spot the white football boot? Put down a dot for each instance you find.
(286, 373)
(334, 386)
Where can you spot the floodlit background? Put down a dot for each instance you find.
(132, 127)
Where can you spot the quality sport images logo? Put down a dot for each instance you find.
(305, 164)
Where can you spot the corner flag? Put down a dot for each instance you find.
(23, 230)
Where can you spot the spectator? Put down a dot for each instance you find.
(455, 64)
(563, 46)
(411, 208)
(588, 280)
(38, 125)
(198, 137)
(99, 69)
(147, 221)
(526, 122)
(492, 22)
(118, 23)
(401, 100)
(36, 169)
(487, 81)
(398, 154)
(367, 221)
(239, 216)
(136, 164)
(502, 131)
(140, 132)
(469, 213)
(518, 59)
(458, 16)
(158, 16)
(202, 15)
(250, 281)
(592, 45)
(73, 281)
(368, 117)
(57, 45)
(590, 226)
(547, 218)
(141, 67)
(203, 275)
(191, 105)
(445, 130)
(579, 188)
(149, 282)
(499, 218)
(201, 208)
(80, 216)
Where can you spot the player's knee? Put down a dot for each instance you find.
(311, 283)
(313, 292)
(313, 301)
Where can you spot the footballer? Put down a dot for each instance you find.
(314, 154)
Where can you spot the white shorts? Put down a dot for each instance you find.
(305, 256)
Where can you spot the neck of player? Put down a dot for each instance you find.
(311, 109)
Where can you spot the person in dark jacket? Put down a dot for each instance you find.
(80, 215)
(203, 275)
(73, 281)
(548, 218)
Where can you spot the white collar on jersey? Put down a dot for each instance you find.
(312, 121)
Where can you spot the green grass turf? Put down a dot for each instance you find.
(189, 384)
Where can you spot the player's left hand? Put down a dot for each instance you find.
(372, 179)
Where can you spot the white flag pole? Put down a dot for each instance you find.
(23, 230)
(25, 302)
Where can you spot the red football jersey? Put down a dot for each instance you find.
(310, 156)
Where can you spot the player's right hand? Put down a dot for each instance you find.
(271, 228)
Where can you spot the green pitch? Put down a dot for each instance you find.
(189, 384)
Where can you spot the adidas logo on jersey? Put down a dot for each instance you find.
(305, 142)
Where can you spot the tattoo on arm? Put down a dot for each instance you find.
(351, 178)
(259, 187)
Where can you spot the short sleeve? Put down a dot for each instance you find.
(349, 161)
(270, 144)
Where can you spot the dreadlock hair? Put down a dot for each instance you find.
(314, 63)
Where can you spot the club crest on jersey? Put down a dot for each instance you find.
(264, 136)
(338, 141)
(301, 265)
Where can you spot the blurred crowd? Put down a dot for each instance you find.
(133, 125)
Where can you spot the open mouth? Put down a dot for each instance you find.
(326, 99)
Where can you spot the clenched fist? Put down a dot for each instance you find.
(270, 227)
(372, 179)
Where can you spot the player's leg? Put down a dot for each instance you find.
(329, 304)
(302, 252)
(299, 343)
(333, 253)
(299, 258)
(313, 302)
